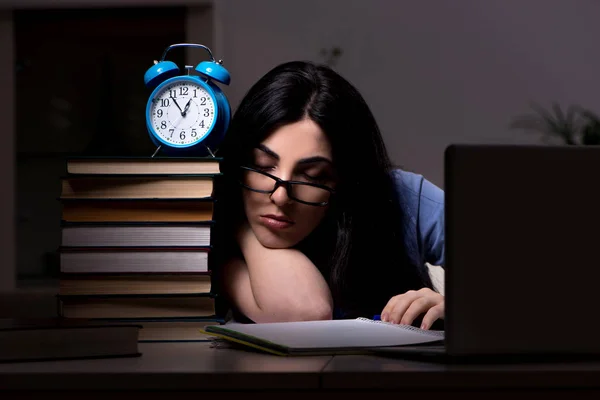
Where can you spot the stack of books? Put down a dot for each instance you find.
(135, 244)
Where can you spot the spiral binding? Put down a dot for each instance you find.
(405, 327)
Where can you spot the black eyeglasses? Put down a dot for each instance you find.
(303, 192)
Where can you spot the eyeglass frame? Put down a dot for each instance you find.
(287, 186)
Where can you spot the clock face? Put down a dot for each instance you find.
(182, 112)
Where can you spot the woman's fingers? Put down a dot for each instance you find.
(395, 308)
(436, 312)
(416, 308)
(405, 308)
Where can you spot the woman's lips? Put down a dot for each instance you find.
(276, 222)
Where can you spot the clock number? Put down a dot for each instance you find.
(173, 93)
(194, 133)
(202, 101)
(202, 124)
(195, 93)
(171, 131)
(183, 90)
(182, 135)
(163, 124)
(159, 113)
(206, 112)
(164, 102)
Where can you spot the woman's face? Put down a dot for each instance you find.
(298, 151)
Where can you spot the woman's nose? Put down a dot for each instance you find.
(280, 196)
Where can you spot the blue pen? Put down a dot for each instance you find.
(376, 317)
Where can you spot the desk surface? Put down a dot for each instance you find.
(199, 366)
(376, 372)
(168, 366)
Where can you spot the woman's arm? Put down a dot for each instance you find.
(431, 223)
(432, 233)
(272, 285)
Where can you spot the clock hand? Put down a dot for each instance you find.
(175, 101)
(185, 109)
(187, 106)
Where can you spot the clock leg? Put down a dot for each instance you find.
(156, 151)
(210, 151)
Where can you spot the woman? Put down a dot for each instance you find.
(313, 222)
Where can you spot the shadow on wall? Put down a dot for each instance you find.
(574, 126)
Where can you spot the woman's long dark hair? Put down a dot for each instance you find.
(359, 247)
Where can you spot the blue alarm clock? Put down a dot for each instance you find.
(187, 113)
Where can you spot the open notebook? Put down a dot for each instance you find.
(346, 336)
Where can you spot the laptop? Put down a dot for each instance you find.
(522, 273)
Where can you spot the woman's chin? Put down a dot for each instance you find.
(272, 241)
(275, 243)
(270, 245)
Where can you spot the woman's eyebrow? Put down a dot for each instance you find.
(267, 150)
(315, 159)
(308, 160)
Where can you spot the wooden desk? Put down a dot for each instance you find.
(347, 373)
(168, 366)
(168, 369)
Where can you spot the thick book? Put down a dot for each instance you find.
(127, 210)
(65, 338)
(143, 306)
(137, 187)
(172, 329)
(346, 336)
(128, 260)
(140, 235)
(143, 165)
(133, 284)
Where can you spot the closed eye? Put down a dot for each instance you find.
(315, 178)
(263, 167)
(320, 177)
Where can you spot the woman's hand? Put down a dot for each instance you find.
(405, 308)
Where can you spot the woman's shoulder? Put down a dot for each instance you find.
(415, 189)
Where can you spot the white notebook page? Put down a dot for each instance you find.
(336, 333)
